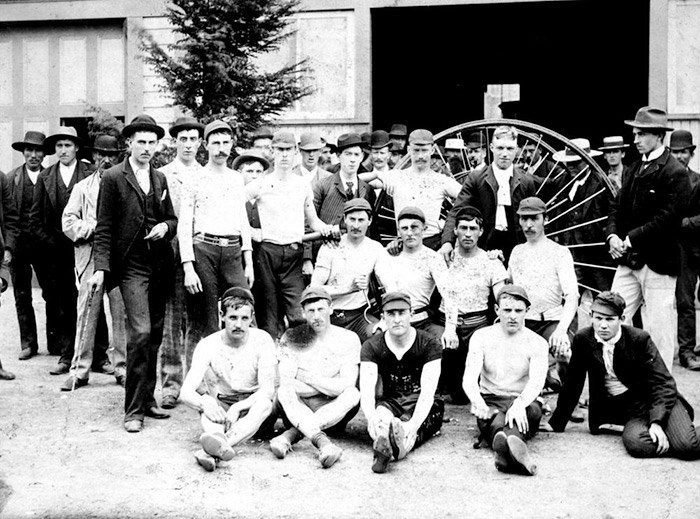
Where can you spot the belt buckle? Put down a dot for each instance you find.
(224, 242)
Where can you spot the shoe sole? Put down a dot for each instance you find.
(168, 405)
(72, 386)
(329, 461)
(217, 447)
(279, 448)
(205, 461)
(521, 456)
(397, 439)
(501, 452)
(134, 429)
(382, 453)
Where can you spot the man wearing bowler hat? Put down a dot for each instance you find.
(643, 231)
(310, 146)
(78, 222)
(135, 222)
(613, 149)
(476, 151)
(51, 193)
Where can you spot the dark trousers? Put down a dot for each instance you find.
(403, 408)
(278, 270)
(489, 428)
(685, 304)
(144, 290)
(557, 365)
(354, 320)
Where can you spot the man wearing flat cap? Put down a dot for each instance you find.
(318, 367)
(231, 381)
(405, 364)
(613, 149)
(505, 373)
(629, 385)
(135, 223)
(51, 193)
(310, 146)
(187, 134)
(643, 231)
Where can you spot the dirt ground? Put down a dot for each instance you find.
(67, 455)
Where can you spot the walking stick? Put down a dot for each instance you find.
(83, 326)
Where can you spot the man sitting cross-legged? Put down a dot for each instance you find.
(236, 366)
(318, 366)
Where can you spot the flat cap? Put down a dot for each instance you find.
(357, 204)
(262, 133)
(514, 291)
(283, 140)
(250, 156)
(468, 212)
(243, 293)
(531, 206)
(395, 301)
(412, 212)
(609, 303)
(314, 293)
(421, 136)
(216, 126)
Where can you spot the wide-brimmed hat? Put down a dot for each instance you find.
(348, 140)
(310, 141)
(380, 139)
(398, 130)
(143, 123)
(569, 155)
(455, 144)
(63, 133)
(31, 138)
(106, 144)
(616, 142)
(649, 118)
(250, 156)
(681, 140)
(186, 123)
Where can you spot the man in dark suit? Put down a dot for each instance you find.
(629, 385)
(495, 191)
(135, 222)
(51, 194)
(643, 231)
(8, 230)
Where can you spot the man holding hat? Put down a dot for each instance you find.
(405, 363)
(187, 134)
(613, 149)
(78, 222)
(505, 373)
(51, 193)
(345, 268)
(318, 367)
(135, 222)
(310, 147)
(236, 367)
(629, 384)
(643, 231)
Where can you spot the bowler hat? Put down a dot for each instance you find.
(649, 118)
(314, 293)
(531, 206)
(681, 140)
(366, 138)
(569, 155)
(421, 136)
(611, 301)
(63, 133)
(412, 212)
(380, 139)
(217, 127)
(616, 142)
(243, 293)
(143, 123)
(476, 140)
(310, 142)
(398, 130)
(357, 204)
(348, 140)
(186, 123)
(250, 156)
(395, 301)
(514, 291)
(31, 138)
(106, 144)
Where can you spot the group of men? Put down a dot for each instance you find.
(168, 247)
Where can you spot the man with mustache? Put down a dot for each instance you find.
(51, 193)
(405, 413)
(476, 151)
(318, 367)
(79, 221)
(214, 235)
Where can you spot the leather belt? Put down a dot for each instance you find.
(221, 241)
(472, 319)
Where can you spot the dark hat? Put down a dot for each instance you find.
(31, 138)
(609, 303)
(531, 205)
(514, 291)
(476, 140)
(349, 140)
(616, 142)
(262, 133)
(314, 293)
(569, 155)
(468, 212)
(106, 144)
(366, 138)
(243, 293)
(310, 142)
(649, 118)
(395, 301)
(398, 130)
(63, 133)
(217, 127)
(250, 156)
(397, 148)
(283, 140)
(331, 146)
(357, 204)
(412, 212)
(421, 136)
(186, 123)
(681, 140)
(143, 123)
(379, 140)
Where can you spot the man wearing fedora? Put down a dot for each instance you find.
(51, 193)
(78, 222)
(310, 147)
(682, 147)
(187, 133)
(613, 149)
(135, 222)
(643, 231)
(25, 253)
(398, 135)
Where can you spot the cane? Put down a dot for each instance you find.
(83, 326)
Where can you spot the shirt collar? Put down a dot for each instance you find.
(135, 165)
(503, 173)
(654, 154)
(67, 169)
(612, 341)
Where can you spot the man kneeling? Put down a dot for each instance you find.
(318, 365)
(236, 367)
(512, 363)
(406, 361)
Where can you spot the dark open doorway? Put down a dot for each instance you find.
(582, 65)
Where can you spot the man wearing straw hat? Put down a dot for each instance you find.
(643, 230)
(51, 193)
(613, 149)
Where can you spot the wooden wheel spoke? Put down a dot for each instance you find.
(602, 190)
(571, 228)
(594, 265)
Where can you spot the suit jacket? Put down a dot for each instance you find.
(690, 225)
(480, 190)
(4, 270)
(649, 209)
(329, 197)
(9, 217)
(79, 219)
(637, 364)
(121, 218)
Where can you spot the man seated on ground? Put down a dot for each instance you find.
(406, 361)
(505, 372)
(236, 366)
(344, 270)
(629, 385)
(318, 376)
